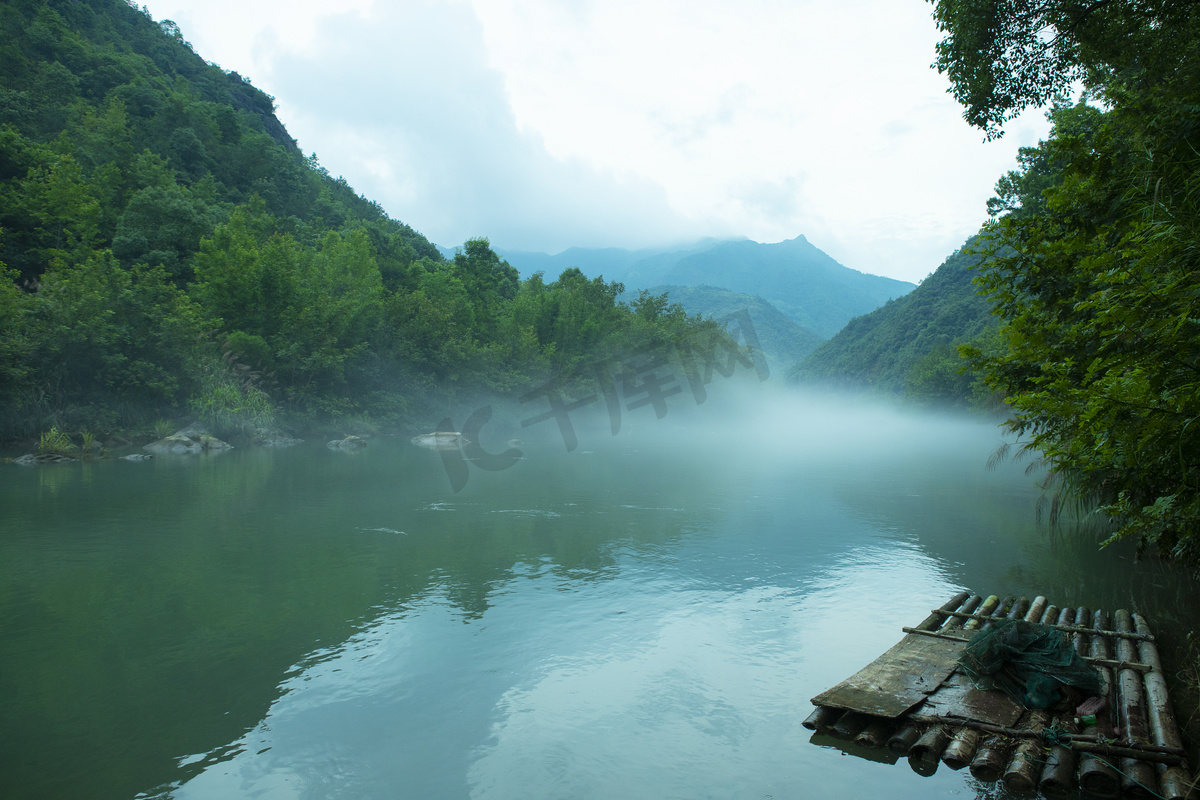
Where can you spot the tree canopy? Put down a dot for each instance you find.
(1003, 56)
(1096, 247)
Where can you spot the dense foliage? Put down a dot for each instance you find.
(166, 248)
(908, 347)
(1098, 295)
(1003, 56)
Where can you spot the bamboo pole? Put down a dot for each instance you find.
(983, 612)
(957, 618)
(1036, 609)
(1019, 608)
(1058, 775)
(1100, 748)
(936, 618)
(1026, 765)
(990, 759)
(1065, 628)
(992, 756)
(876, 733)
(851, 724)
(1095, 776)
(1083, 743)
(1111, 663)
(1000, 612)
(1175, 782)
(903, 739)
(923, 757)
(962, 747)
(1138, 778)
(822, 717)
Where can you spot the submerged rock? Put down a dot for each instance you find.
(194, 438)
(278, 441)
(439, 440)
(175, 444)
(269, 438)
(137, 457)
(42, 458)
(349, 443)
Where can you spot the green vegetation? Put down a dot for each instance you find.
(1094, 274)
(228, 401)
(167, 249)
(55, 443)
(908, 347)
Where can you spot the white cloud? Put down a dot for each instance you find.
(549, 123)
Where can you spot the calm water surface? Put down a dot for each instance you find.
(644, 617)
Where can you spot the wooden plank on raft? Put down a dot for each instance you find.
(898, 680)
(958, 698)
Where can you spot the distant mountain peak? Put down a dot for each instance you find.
(795, 276)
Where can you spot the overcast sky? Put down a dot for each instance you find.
(543, 124)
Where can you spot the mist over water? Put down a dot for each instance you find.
(646, 615)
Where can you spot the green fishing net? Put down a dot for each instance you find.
(1031, 663)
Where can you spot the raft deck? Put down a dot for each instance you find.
(915, 702)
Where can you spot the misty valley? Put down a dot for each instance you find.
(297, 503)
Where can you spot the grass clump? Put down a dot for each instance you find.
(55, 443)
(230, 404)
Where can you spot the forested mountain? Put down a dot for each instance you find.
(800, 280)
(783, 342)
(167, 250)
(908, 346)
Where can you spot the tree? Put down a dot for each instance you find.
(1003, 56)
(1095, 271)
(13, 341)
(490, 281)
(101, 336)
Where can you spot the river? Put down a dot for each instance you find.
(644, 616)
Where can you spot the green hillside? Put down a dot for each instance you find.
(168, 252)
(783, 342)
(907, 347)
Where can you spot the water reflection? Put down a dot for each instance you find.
(652, 683)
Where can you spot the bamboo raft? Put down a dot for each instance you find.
(914, 701)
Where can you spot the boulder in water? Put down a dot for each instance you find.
(194, 438)
(42, 458)
(264, 437)
(439, 440)
(349, 443)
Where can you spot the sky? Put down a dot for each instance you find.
(546, 124)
